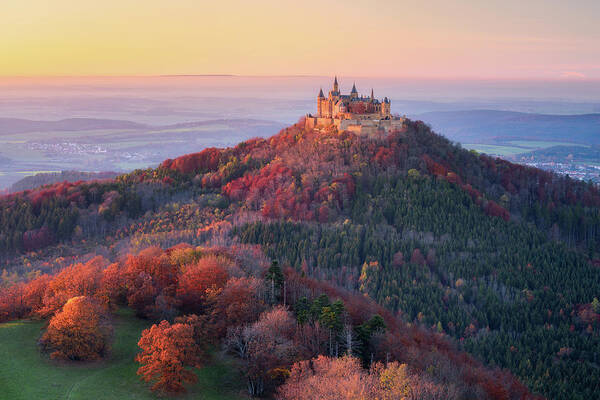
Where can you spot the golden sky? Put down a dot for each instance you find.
(435, 38)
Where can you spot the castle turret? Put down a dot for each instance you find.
(321, 103)
(385, 107)
(372, 96)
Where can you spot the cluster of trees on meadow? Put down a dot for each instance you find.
(80, 331)
(288, 331)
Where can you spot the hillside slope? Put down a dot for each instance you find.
(496, 255)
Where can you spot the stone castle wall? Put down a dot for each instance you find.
(359, 126)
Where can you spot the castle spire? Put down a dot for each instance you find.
(321, 93)
(335, 85)
(354, 88)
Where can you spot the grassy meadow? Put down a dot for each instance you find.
(27, 374)
(515, 147)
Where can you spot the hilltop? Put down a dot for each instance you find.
(498, 258)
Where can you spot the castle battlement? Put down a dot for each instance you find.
(352, 112)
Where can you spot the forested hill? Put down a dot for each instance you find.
(499, 256)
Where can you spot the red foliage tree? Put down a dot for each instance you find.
(494, 209)
(37, 239)
(327, 379)
(12, 304)
(323, 214)
(142, 294)
(240, 302)
(34, 291)
(80, 331)
(207, 273)
(398, 259)
(417, 257)
(435, 168)
(75, 280)
(207, 160)
(147, 276)
(112, 286)
(167, 352)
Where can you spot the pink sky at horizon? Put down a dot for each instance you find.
(460, 39)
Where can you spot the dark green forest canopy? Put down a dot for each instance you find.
(423, 248)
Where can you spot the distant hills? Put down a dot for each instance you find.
(485, 126)
(37, 180)
(15, 125)
(91, 144)
(468, 126)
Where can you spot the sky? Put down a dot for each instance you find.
(445, 39)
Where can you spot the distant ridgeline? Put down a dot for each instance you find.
(46, 178)
(363, 115)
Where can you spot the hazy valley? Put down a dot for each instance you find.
(120, 125)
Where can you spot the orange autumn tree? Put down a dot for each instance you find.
(208, 273)
(344, 378)
(150, 279)
(328, 379)
(167, 352)
(80, 331)
(75, 280)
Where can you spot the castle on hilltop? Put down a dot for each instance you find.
(365, 115)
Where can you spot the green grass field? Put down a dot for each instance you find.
(26, 374)
(515, 147)
(536, 144)
(495, 149)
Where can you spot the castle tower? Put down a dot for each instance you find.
(386, 107)
(372, 96)
(320, 103)
(336, 87)
(354, 92)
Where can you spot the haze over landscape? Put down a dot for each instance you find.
(297, 201)
(137, 119)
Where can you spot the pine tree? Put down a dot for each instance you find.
(275, 280)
